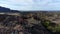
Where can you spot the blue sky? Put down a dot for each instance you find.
(31, 4)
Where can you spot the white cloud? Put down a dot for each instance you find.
(31, 4)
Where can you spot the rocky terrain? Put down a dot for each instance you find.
(29, 22)
(25, 23)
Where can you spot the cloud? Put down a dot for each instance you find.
(17, 4)
(31, 4)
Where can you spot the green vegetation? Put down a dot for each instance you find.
(54, 29)
(46, 23)
(50, 26)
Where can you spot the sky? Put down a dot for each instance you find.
(31, 4)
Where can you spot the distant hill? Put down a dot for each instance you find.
(3, 9)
